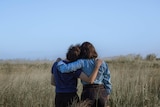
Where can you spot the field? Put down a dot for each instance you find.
(136, 83)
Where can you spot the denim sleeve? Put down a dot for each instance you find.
(107, 80)
(70, 67)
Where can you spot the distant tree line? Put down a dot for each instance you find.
(131, 57)
(149, 57)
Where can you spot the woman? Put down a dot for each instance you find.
(99, 91)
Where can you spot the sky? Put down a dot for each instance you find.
(44, 29)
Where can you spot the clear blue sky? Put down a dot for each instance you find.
(38, 29)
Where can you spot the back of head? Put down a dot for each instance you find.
(88, 51)
(73, 53)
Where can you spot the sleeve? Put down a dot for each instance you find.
(107, 79)
(54, 68)
(78, 73)
(70, 67)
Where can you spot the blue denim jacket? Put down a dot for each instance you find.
(88, 65)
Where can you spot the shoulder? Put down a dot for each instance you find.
(89, 60)
(80, 61)
(104, 65)
(65, 61)
(54, 66)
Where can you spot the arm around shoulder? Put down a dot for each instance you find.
(70, 67)
(93, 76)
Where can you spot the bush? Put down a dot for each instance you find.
(151, 57)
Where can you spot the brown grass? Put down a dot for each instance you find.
(135, 83)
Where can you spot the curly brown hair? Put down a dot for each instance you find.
(73, 53)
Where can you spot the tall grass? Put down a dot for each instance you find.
(26, 85)
(135, 84)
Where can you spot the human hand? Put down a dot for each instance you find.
(58, 59)
(98, 62)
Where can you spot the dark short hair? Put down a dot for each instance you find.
(73, 53)
(88, 51)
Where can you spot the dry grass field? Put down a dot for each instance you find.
(136, 83)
